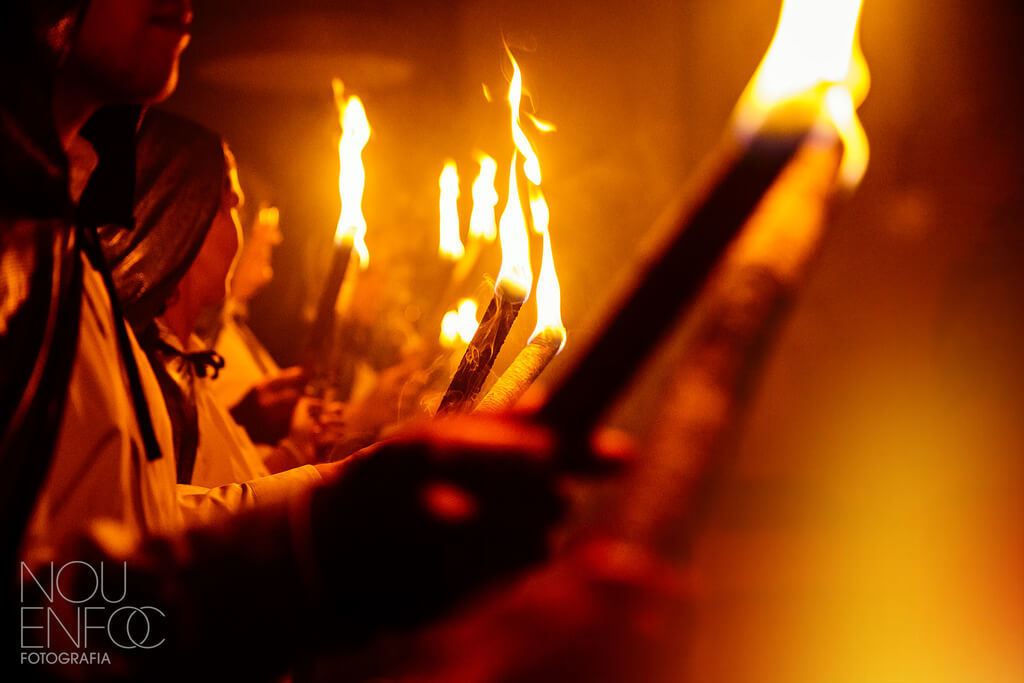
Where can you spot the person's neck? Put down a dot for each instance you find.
(180, 319)
(73, 104)
(72, 107)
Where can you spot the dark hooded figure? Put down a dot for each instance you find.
(180, 176)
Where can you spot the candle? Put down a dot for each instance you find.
(547, 340)
(814, 46)
(515, 276)
(510, 292)
(350, 233)
(666, 497)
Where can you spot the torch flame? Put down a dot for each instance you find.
(451, 244)
(539, 210)
(815, 53)
(515, 276)
(485, 198)
(549, 297)
(355, 132)
(531, 164)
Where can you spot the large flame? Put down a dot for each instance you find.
(531, 164)
(549, 296)
(355, 132)
(485, 198)
(451, 243)
(815, 53)
(515, 276)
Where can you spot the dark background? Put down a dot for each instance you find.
(872, 528)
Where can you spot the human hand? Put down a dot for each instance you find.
(266, 410)
(406, 529)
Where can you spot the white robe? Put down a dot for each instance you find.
(99, 472)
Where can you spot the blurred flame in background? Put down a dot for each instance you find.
(459, 325)
(485, 198)
(355, 133)
(450, 247)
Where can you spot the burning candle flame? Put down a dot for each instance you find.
(515, 276)
(355, 132)
(539, 210)
(531, 164)
(856, 151)
(549, 297)
(815, 53)
(451, 243)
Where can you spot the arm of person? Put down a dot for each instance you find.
(200, 504)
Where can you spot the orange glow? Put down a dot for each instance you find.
(815, 55)
(549, 296)
(531, 164)
(485, 198)
(355, 132)
(450, 246)
(515, 276)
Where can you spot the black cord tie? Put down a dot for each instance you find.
(204, 362)
(91, 245)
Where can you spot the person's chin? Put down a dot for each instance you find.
(160, 86)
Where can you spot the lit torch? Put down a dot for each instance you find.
(350, 234)
(548, 336)
(515, 277)
(804, 89)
